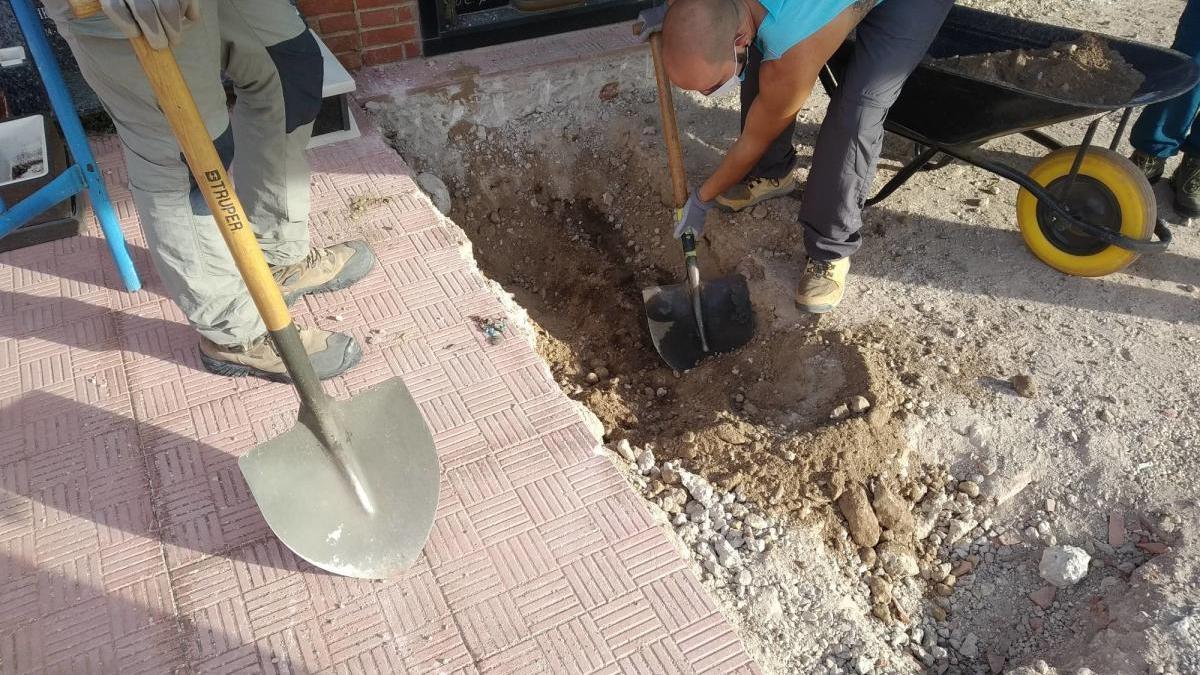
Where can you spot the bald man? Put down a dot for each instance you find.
(775, 49)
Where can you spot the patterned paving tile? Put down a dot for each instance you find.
(129, 541)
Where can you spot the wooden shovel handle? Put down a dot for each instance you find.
(176, 102)
(666, 109)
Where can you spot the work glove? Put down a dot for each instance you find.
(692, 216)
(161, 21)
(651, 20)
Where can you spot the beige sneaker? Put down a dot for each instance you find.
(332, 354)
(324, 269)
(822, 286)
(754, 190)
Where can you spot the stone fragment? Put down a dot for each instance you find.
(897, 560)
(860, 517)
(1044, 597)
(891, 511)
(625, 450)
(1116, 528)
(645, 461)
(1024, 385)
(1064, 565)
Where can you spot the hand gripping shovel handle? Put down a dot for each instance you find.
(666, 110)
(177, 104)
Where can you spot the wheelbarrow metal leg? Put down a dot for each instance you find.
(902, 176)
(1116, 140)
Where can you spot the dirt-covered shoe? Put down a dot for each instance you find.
(332, 354)
(754, 190)
(1149, 164)
(822, 285)
(324, 269)
(1186, 182)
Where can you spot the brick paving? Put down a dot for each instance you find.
(129, 542)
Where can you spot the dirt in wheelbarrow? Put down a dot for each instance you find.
(1087, 70)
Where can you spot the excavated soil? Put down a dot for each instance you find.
(1086, 70)
(758, 420)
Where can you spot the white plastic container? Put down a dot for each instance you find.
(23, 150)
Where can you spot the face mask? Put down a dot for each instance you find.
(734, 80)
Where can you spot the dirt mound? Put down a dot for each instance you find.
(1086, 70)
(760, 421)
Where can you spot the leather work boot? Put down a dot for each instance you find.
(324, 269)
(754, 190)
(822, 285)
(1149, 164)
(332, 354)
(1186, 182)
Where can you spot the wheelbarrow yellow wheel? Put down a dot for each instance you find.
(1109, 192)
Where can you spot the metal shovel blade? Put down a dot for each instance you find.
(728, 319)
(312, 507)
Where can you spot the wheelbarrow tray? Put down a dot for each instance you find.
(943, 107)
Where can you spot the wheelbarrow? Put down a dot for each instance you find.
(1084, 210)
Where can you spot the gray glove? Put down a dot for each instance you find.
(161, 21)
(651, 20)
(692, 216)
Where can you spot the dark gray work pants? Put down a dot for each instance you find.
(889, 43)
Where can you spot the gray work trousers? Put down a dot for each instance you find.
(275, 65)
(889, 43)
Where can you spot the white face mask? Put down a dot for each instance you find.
(734, 80)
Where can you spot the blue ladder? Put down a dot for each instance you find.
(84, 174)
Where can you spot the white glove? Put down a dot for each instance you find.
(161, 21)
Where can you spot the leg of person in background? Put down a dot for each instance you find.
(276, 68)
(185, 244)
(1163, 129)
(772, 176)
(890, 41)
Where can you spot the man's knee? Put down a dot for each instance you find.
(301, 69)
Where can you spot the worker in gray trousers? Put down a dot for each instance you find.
(775, 49)
(275, 65)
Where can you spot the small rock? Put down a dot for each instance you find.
(592, 378)
(970, 488)
(759, 212)
(860, 517)
(897, 560)
(864, 665)
(938, 613)
(962, 569)
(625, 450)
(756, 521)
(1024, 385)
(839, 412)
(943, 590)
(969, 647)
(727, 555)
(645, 461)
(438, 193)
(1105, 415)
(867, 556)
(698, 488)
(995, 662)
(744, 578)
(858, 404)
(891, 511)
(1064, 565)
(1153, 547)
(766, 606)
(1116, 528)
(958, 529)
(688, 437)
(1044, 597)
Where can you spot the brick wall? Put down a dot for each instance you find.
(366, 32)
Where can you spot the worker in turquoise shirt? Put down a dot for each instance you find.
(775, 50)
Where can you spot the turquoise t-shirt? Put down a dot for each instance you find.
(789, 21)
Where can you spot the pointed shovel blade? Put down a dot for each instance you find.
(309, 504)
(728, 319)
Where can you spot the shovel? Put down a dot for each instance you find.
(353, 486)
(693, 319)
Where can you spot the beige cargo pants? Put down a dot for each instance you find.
(275, 65)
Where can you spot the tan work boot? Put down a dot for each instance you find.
(332, 354)
(754, 190)
(324, 269)
(823, 284)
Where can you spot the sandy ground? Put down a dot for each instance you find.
(908, 534)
